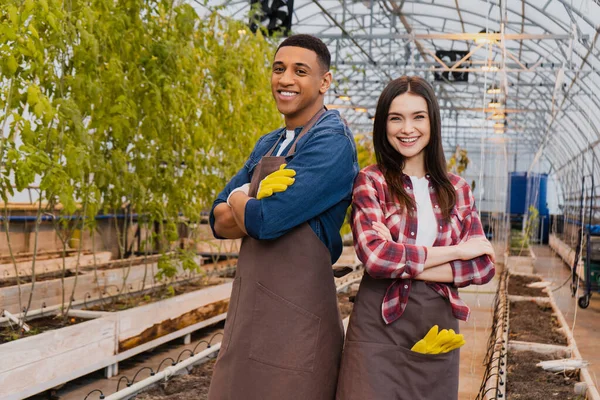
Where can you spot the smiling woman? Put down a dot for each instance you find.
(417, 231)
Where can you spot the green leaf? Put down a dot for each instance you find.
(11, 65)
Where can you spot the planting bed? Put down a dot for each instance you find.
(37, 326)
(533, 322)
(517, 285)
(527, 381)
(163, 292)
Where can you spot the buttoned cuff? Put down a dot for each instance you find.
(415, 257)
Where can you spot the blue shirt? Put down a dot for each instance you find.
(326, 165)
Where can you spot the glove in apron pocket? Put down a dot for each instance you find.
(231, 314)
(274, 321)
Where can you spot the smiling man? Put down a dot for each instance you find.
(283, 336)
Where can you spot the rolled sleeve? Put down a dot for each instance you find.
(382, 259)
(479, 270)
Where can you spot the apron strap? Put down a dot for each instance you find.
(305, 129)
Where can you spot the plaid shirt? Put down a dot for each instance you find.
(402, 258)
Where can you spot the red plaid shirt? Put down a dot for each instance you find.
(386, 259)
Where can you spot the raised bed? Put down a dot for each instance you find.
(37, 363)
(538, 331)
(565, 252)
(517, 286)
(47, 265)
(106, 280)
(525, 380)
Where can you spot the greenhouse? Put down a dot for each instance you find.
(298, 200)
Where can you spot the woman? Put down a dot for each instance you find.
(418, 234)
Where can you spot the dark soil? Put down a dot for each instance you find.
(192, 386)
(518, 252)
(38, 325)
(525, 381)
(345, 304)
(532, 322)
(38, 278)
(126, 301)
(517, 285)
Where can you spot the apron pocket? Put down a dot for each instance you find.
(430, 375)
(275, 321)
(385, 371)
(231, 314)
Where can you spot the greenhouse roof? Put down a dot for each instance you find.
(542, 56)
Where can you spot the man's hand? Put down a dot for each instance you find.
(278, 181)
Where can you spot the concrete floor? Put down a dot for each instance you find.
(585, 323)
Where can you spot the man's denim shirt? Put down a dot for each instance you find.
(326, 165)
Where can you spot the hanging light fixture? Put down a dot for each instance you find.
(360, 109)
(494, 90)
(482, 37)
(494, 103)
(498, 116)
(489, 68)
(499, 125)
(344, 97)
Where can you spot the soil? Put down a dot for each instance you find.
(126, 301)
(38, 278)
(532, 322)
(345, 304)
(38, 325)
(525, 381)
(192, 386)
(517, 285)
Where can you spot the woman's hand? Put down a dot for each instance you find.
(476, 247)
(382, 230)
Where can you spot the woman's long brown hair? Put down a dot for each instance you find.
(391, 162)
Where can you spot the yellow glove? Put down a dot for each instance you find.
(277, 181)
(436, 342)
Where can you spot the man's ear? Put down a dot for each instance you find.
(325, 82)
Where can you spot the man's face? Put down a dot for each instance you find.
(297, 81)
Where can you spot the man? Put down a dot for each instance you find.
(283, 337)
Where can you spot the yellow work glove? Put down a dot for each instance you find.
(436, 342)
(277, 181)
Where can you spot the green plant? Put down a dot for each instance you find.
(128, 107)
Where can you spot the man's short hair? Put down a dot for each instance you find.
(311, 43)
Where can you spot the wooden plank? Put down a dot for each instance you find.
(49, 293)
(135, 321)
(565, 252)
(24, 268)
(45, 374)
(50, 344)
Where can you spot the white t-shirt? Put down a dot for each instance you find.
(427, 226)
(289, 136)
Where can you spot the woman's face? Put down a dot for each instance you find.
(408, 126)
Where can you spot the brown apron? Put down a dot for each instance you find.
(283, 336)
(377, 363)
